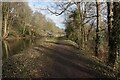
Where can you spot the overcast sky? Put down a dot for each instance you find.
(36, 6)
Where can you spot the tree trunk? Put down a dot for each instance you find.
(109, 17)
(81, 26)
(6, 48)
(79, 42)
(24, 28)
(110, 25)
(5, 27)
(97, 47)
(1, 21)
(113, 59)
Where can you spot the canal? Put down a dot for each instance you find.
(13, 47)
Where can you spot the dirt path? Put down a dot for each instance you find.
(54, 60)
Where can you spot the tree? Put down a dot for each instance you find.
(97, 47)
(6, 17)
(83, 18)
(109, 18)
(73, 27)
(14, 14)
(0, 20)
(114, 50)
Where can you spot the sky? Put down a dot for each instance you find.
(41, 5)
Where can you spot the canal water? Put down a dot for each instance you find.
(13, 47)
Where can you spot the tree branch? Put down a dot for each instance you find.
(56, 13)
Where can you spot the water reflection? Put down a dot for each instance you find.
(10, 48)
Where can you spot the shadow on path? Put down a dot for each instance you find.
(53, 60)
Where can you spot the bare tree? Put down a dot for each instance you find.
(97, 47)
(114, 44)
(109, 18)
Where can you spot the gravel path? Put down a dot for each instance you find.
(51, 60)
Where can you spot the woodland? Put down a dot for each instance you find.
(93, 26)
